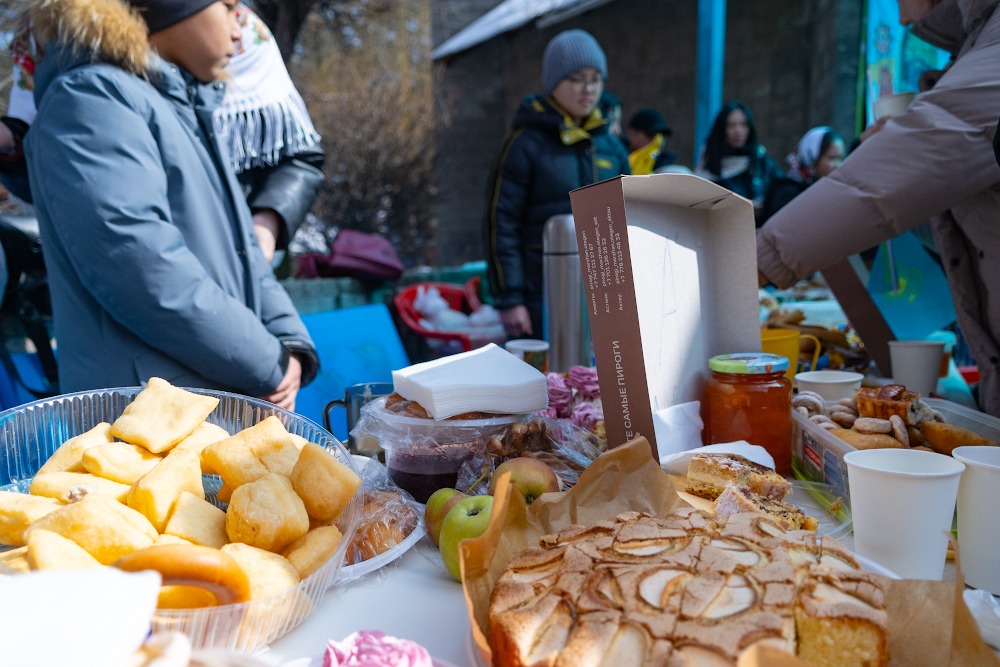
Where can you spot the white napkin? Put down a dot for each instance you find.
(487, 379)
(986, 610)
(677, 463)
(96, 617)
(678, 428)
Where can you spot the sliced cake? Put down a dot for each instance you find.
(708, 475)
(735, 499)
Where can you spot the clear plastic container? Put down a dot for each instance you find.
(423, 454)
(30, 433)
(819, 456)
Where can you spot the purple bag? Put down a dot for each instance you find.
(354, 254)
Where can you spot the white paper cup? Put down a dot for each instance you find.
(903, 503)
(978, 519)
(892, 105)
(916, 364)
(535, 352)
(831, 385)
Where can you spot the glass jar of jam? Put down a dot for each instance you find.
(749, 398)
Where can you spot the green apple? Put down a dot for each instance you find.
(437, 508)
(469, 517)
(528, 475)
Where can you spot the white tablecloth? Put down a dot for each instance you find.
(413, 598)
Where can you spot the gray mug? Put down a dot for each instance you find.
(355, 397)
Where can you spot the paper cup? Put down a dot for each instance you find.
(892, 105)
(831, 385)
(916, 364)
(978, 520)
(535, 352)
(903, 502)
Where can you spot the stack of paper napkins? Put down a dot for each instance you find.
(95, 617)
(488, 379)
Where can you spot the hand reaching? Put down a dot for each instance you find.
(516, 321)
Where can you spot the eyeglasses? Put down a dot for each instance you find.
(581, 82)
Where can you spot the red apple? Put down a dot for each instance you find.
(528, 475)
(437, 508)
(468, 518)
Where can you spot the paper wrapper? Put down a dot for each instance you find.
(929, 623)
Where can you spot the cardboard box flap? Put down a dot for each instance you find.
(670, 275)
(681, 190)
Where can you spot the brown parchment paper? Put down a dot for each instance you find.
(929, 623)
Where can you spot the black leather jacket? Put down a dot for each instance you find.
(541, 160)
(289, 187)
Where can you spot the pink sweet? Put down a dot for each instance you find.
(559, 394)
(548, 413)
(585, 415)
(372, 648)
(584, 380)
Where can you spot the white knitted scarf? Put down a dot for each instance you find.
(262, 117)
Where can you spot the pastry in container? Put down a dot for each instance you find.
(29, 434)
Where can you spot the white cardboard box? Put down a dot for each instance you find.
(669, 267)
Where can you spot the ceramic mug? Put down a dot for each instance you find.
(355, 397)
(785, 343)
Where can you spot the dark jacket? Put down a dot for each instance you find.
(752, 182)
(289, 187)
(13, 171)
(153, 263)
(781, 191)
(541, 160)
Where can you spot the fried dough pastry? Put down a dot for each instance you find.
(943, 438)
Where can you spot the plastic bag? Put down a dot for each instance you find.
(565, 447)
(389, 519)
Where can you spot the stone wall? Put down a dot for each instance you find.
(793, 62)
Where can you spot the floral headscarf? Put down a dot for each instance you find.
(810, 149)
(262, 114)
(24, 52)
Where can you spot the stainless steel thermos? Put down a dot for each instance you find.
(566, 325)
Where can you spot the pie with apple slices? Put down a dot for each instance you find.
(685, 589)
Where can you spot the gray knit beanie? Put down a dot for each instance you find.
(567, 52)
(160, 14)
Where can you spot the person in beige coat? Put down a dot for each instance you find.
(935, 161)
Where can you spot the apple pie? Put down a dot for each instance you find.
(708, 475)
(685, 589)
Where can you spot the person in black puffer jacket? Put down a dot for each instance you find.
(734, 158)
(559, 142)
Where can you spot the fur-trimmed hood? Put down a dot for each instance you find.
(111, 31)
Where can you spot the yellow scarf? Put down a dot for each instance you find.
(643, 159)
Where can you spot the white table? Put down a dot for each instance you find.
(413, 598)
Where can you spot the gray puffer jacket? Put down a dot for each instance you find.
(153, 264)
(935, 161)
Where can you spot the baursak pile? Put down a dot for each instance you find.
(685, 589)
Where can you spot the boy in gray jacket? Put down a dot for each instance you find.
(153, 264)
